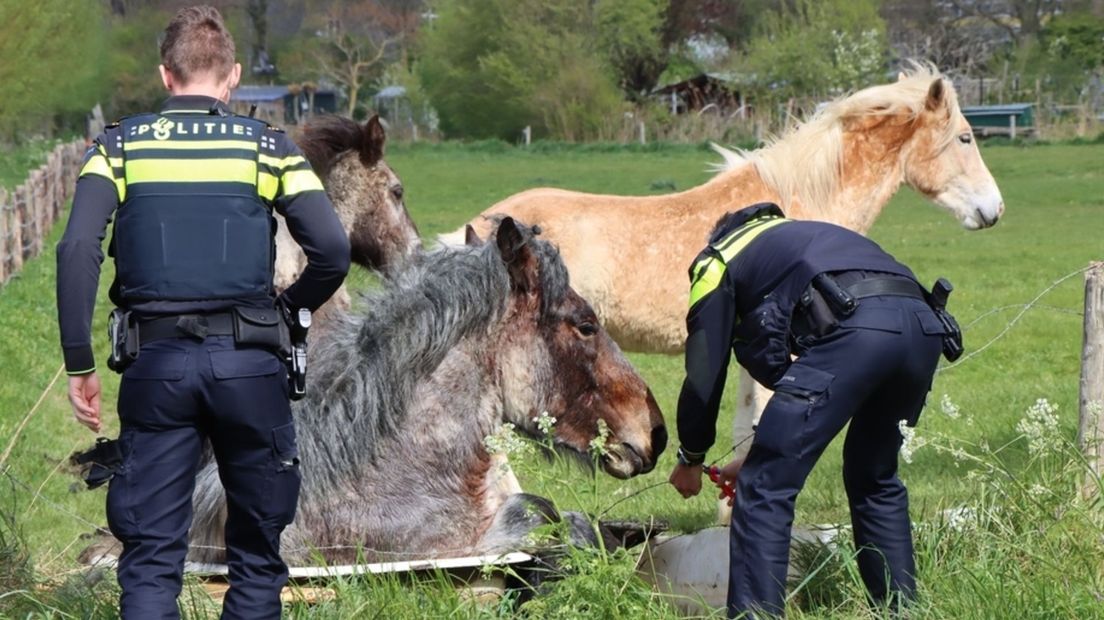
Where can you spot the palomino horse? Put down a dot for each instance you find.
(629, 255)
(366, 193)
(404, 391)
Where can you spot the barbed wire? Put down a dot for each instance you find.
(1019, 315)
(360, 549)
(998, 310)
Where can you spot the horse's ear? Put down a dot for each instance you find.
(517, 254)
(936, 92)
(470, 237)
(901, 76)
(371, 144)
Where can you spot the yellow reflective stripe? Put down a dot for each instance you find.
(280, 164)
(197, 145)
(97, 164)
(296, 181)
(707, 280)
(267, 185)
(708, 272)
(116, 162)
(728, 253)
(696, 270)
(120, 187)
(191, 171)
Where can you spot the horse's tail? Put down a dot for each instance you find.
(206, 539)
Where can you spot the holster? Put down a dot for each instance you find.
(122, 334)
(819, 310)
(296, 324)
(819, 319)
(100, 463)
(952, 333)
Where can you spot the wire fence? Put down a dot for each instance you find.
(36, 495)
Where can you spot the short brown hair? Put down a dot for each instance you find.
(196, 41)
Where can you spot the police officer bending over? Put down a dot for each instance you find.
(192, 188)
(867, 338)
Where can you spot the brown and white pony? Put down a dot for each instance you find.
(366, 193)
(405, 389)
(629, 256)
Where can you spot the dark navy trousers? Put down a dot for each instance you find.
(179, 392)
(873, 371)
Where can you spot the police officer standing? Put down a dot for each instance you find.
(866, 337)
(192, 189)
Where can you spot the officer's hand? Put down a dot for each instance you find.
(84, 396)
(687, 479)
(729, 473)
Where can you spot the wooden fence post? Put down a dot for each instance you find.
(19, 219)
(5, 231)
(38, 210)
(1090, 435)
(41, 228)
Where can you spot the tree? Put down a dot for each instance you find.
(630, 33)
(131, 61)
(51, 63)
(1022, 20)
(352, 42)
(491, 67)
(933, 31)
(817, 48)
(731, 20)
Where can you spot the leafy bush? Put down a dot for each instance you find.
(492, 67)
(52, 64)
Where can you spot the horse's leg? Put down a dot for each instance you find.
(290, 259)
(501, 479)
(750, 400)
(206, 538)
(520, 515)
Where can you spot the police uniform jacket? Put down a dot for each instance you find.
(744, 287)
(192, 189)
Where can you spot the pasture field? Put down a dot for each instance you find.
(1033, 551)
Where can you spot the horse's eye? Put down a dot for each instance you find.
(397, 192)
(587, 329)
(965, 138)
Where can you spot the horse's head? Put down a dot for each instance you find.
(557, 358)
(942, 161)
(366, 192)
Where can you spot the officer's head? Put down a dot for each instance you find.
(197, 54)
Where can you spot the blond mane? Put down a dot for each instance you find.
(806, 161)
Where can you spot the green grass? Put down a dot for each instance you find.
(17, 160)
(1053, 227)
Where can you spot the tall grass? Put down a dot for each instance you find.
(16, 570)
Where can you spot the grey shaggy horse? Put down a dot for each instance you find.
(366, 193)
(404, 391)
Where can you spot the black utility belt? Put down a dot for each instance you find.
(253, 326)
(826, 301)
(888, 285)
(186, 325)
